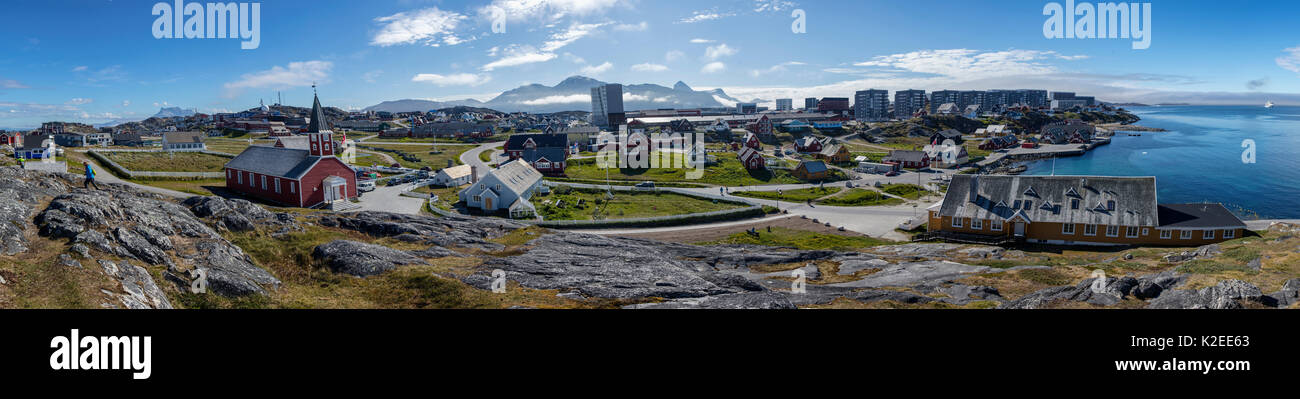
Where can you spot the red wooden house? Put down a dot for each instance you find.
(294, 177)
(751, 140)
(808, 144)
(751, 158)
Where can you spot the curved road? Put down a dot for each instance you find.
(471, 157)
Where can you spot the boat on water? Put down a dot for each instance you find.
(1268, 104)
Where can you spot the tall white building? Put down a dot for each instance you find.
(784, 104)
(871, 105)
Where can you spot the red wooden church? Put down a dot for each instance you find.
(295, 176)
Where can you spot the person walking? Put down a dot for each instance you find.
(90, 177)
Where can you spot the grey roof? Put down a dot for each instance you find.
(34, 141)
(812, 166)
(1135, 199)
(905, 155)
(317, 123)
(273, 161)
(183, 137)
(517, 176)
(1198, 216)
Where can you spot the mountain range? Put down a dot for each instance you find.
(574, 94)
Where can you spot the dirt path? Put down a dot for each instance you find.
(718, 233)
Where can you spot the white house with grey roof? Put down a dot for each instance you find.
(507, 188)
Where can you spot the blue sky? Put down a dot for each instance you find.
(92, 61)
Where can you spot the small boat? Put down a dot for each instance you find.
(1268, 104)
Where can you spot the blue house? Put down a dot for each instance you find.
(507, 188)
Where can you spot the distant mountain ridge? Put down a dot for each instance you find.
(172, 112)
(574, 94)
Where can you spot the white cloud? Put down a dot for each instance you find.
(296, 74)
(1290, 60)
(570, 35)
(719, 51)
(674, 55)
(459, 79)
(597, 69)
(519, 55)
(569, 99)
(701, 41)
(701, 16)
(775, 68)
(967, 62)
(369, 77)
(574, 58)
(80, 101)
(649, 67)
(544, 10)
(126, 103)
(641, 27)
(713, 67)
(11, 84)
(431, 26)
(773, 5)
(81, 68)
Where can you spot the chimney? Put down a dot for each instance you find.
(974, 188)
(473, 174)
(450, 163)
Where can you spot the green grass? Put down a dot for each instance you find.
(1045, 276)
(447, 196)
(799, 195)
(728, 171)
(435, 159)
(624, 205)
(486, 156)
(230, 146)
(860, 197)
(801, 239)
(168, 161)
(909, 191)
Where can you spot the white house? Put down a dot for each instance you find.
(455, 176)
(184, 142)
(508, 187)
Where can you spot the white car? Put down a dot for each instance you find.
(365, 186)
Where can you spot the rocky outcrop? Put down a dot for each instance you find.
(239, 215)
(1202, 252)
(20, 193)
(140, 290)
(1107, 293)
(450, 232)
(1229, 294)
(361, 259)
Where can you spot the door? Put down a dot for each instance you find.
(1020, 229)
(487, 203)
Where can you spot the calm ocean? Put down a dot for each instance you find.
(1200, 158)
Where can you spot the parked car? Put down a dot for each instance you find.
(645, 185)
(892, 173)
(365, 185)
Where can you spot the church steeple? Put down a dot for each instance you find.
(317, 123)
(320, 139)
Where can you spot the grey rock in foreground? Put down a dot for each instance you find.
(361, 259)
(141, 291)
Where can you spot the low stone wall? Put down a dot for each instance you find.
(132, 174)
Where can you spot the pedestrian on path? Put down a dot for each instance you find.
(90, 177)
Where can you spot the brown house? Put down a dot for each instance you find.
(834, 153)
(811, 170)
(1087, 210)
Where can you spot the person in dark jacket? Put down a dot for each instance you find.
(90, 177)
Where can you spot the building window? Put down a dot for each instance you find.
(1110, 205)
(1112, 231)
(478, 199)
(977, 224)
(1074, 203)
(277, 185)
(996, 225)
(263, 182)
(1146, 232)
(1166, 234)
(956, 222)
(1229, 233)
(1132, 232)
(1029, 205)
(292, 189)
(1089, 229)
(1208, 235)
(1067, 228)
(1185, 234)
(239, 178)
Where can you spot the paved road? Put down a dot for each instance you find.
(103, 175)
(471, 157)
